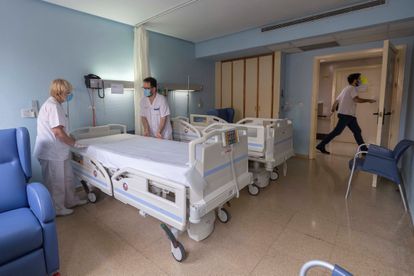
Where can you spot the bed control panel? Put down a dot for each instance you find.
(230, 137)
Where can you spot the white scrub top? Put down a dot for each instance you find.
(347, 106)
(47, 146)
(154, 112)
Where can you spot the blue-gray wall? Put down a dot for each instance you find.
(408, 159)
(41, 42)
(172, 60)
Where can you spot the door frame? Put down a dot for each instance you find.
(363, 54)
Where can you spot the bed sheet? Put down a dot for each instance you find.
(163, 158)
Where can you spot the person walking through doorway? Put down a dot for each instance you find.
(345, 104)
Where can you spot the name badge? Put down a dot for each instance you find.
(157, 109)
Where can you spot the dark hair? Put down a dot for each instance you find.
(151, 81)
(352, 77)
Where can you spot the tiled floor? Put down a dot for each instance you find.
(300, 217)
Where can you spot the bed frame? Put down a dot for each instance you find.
(270, 144)
(183, 131)
(187, 129)
(224, 170)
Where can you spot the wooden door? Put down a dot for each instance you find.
(238, 89)
(251, 87)
(385, 97)
(386, 91)
(226, 84)
(265, 91)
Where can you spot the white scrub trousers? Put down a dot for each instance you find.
(58, 178)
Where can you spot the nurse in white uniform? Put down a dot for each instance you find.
(52, 148)
(155, 112)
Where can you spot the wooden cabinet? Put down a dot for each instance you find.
(265, 91)
(252, 66)
(250, 85)
(238, 89)
(226, 84)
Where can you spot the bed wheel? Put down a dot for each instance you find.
(253, 189)
(274, 175)
(92, 197)
(223, 215)
(178, 252)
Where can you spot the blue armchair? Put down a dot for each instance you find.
(382, 162)
(226, 114)
(28, 239)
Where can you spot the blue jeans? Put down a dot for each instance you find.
(344, 121)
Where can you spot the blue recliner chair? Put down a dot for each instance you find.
(28, 239)
(382, 162)
(226, 114)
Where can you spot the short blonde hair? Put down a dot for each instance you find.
(59, 89)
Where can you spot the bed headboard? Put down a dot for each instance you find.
(183, 131)
(205, 120)
(98, 131)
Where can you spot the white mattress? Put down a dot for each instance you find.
(163, 158)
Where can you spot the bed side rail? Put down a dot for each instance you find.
(258, 121)
(161, 198)
(257, 134)
(205, 120)
(98, 131)
(182, 118)
(183, 131)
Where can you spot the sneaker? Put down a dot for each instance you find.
(322, 149)
(78, 202)
(64, 212)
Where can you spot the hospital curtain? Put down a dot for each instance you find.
(141, 70)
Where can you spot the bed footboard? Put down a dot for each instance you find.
(98, 131)
(223, 166)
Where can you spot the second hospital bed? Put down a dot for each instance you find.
(181, 184)
(270, 144)
(187, 129)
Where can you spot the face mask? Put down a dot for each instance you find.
(147, 92)
(362, 87)
(69, 97)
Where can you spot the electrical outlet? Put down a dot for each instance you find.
(27, 113)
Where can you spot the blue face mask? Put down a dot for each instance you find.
(147, 92)
(69, 97)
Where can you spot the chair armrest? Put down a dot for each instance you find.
(40, 202)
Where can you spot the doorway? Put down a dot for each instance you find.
(389, 98)
(333, 78)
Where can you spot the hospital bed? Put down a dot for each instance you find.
(187, 129)
(270, 144)
(181, 184)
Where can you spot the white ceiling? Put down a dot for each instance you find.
(203, 19)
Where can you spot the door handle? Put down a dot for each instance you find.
(387, 114)
(376, 113)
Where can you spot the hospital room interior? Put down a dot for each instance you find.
(206, 137)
